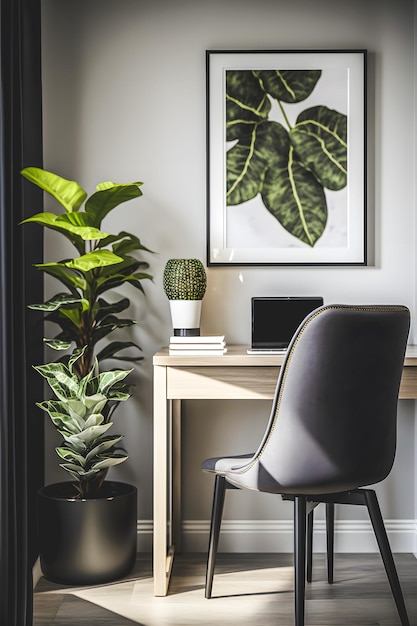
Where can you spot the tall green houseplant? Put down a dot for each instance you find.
(84, 315)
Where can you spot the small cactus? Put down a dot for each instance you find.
(184, 279)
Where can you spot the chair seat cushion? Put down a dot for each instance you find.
(226, 463)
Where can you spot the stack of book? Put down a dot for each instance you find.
(206, 345)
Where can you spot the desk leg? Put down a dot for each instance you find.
(176, 475)
(161, 568)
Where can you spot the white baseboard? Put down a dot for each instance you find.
(277, 536)
(145, 535)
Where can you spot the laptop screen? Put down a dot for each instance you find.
(275, 319)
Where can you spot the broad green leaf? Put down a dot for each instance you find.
(111, 350)
(77, 410)
(89, 435)
(247, 163)
(68, 277)
(58, 301)
(119, 396)
(288, 85)
(65, 454)
(76, 355)
(129, 265)
(246, 103)
(60, 408)
(136, 279)
(80, 224)
(49, 220)
(127, 268)
(53, 406)
(99, 401)
(124, 243)
(102, 308)
(105, 444)
(120, 393)
(96, 401)
(63, 386)
(68, 193)
(64, 423)
(245, 172)
(79, 218)
(59, 378)
(64, 323)
(77, 445)
(106, 380)
(84, 477)
(108, 325)
(70, 225)
(320, 140)
(112, 321)
(111, 460)
(128, 243)
(73, 475)
(57, 344)
(109, 196)
(95, 405)
(94, 420)
(86, 233)
(73, 315)
(94, 260)
(73, 469)
(109, 184)
(117, 280)
(297, 200)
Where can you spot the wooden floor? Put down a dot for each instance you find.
(248, 590)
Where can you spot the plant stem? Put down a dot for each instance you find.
(284, 114)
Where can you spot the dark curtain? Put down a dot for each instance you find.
(21, 427)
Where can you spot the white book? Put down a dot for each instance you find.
(198, 339)
(198, 346)
(197, 352)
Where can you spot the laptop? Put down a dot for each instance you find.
(275, 320)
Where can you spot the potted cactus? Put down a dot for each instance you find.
(87, 525)
(185, 284)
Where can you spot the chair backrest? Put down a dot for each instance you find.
(334, 417)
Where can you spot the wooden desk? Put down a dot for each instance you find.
(236, 375)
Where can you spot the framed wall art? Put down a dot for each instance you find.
(286, 157)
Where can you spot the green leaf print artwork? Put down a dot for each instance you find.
(289, 165)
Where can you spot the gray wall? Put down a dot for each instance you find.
(124, 100)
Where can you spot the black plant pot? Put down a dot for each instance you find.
(86, 542)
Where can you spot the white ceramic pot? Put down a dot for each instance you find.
(185, 316)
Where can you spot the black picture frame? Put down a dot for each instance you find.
(286, 157)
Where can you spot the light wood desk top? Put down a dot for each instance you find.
(237, 374)
(236, 355)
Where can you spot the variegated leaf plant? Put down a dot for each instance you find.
(79, 415)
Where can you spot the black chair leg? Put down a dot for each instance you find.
(310, 525)
(330, 540)
(216, 520)
(386, 554)
(300, 514)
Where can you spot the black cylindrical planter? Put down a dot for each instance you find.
(86, 542)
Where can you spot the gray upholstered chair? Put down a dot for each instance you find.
(332, 430)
